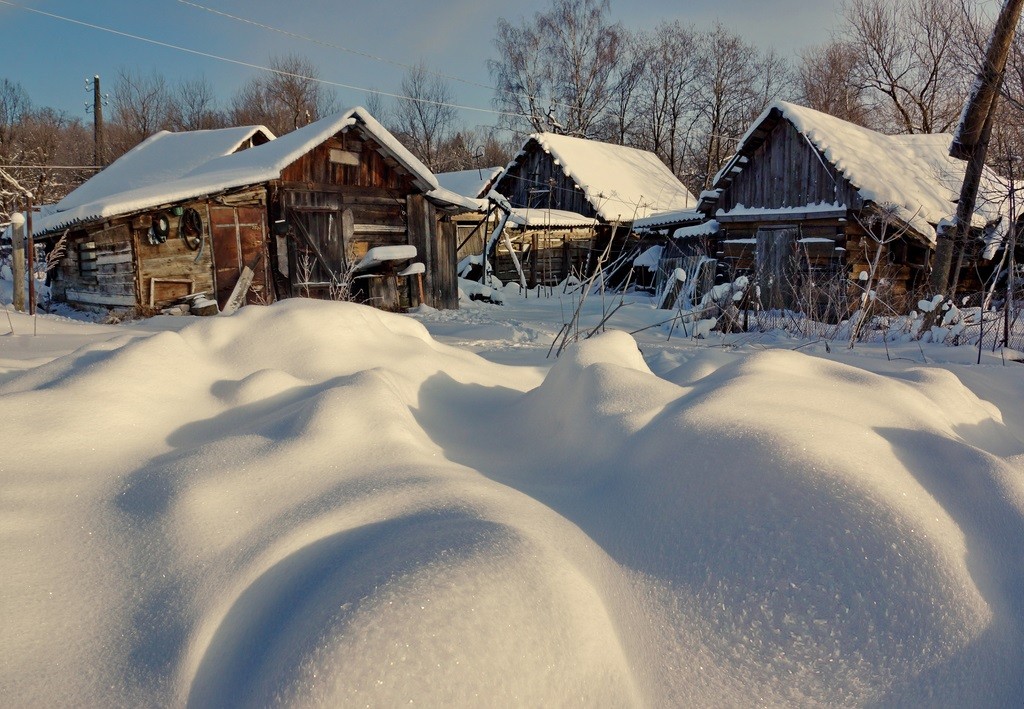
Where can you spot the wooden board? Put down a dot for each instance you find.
(238, 235)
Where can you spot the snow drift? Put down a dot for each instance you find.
(318, 504)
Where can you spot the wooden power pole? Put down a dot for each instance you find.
(97, 123)
(971, 144)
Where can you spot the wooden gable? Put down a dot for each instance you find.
(534, 180)
(349, 159)
(783, 169)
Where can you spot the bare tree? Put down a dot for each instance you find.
(585, 48)
(736, 82)
(14, 104)
(194, 106)
(141, 107)
(477, 148)
(558, 70)
(627, 91)
(34, 142)
(906, 60)
(825, 82)
(374, 103)
(666, 108)
(288, 97)
(425, 117)
(520, 75)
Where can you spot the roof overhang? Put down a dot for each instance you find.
(785, 214)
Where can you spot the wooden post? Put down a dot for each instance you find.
(419, 284)
(971, 144)
(18, 260)
(30, 261)
(97, 123)
(534, 245)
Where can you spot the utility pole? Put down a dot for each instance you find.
(30, 246)
(98, 99)
(971, 144)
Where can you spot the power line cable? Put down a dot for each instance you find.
(251, 65)
(52, 167)
(331, 45)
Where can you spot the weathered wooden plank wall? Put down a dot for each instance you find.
(350, 198)
(445, 278)
(99, 268)
(787, 171)
(177, 269)
(534, 179)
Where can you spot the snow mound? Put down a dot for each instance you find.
(316, 503)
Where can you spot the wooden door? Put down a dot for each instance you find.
(238, 239)
(776, 266)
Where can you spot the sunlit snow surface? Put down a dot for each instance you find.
(321, 504)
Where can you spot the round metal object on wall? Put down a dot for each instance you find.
(161, 227)
(190, 227)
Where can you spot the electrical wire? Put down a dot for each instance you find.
(52, 167)
(251, 65)
(374, 57)
(329, 45)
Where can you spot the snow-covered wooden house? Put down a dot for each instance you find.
(188, 212)
(802, 203)
(545, 242)
(613, 185)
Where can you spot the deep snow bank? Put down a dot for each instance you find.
(315, 503)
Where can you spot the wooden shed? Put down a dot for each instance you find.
(130, 245)
(303, 212)
(807, 198)
(612, 184)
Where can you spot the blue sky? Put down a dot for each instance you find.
(52, 58)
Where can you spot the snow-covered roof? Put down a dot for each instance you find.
(455, 199)
(708, 228)
(663, 219)
(161, 158)
(249, 167)
(649, 259)
(817, 209)
(469, 183)
(522, 216)
(621, 183)
(913, 172)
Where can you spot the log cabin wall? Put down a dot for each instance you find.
(169, 269)
(847, 253)
(536, 170)
(782, 169)
(99, 268)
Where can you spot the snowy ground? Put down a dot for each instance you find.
(322, 504)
